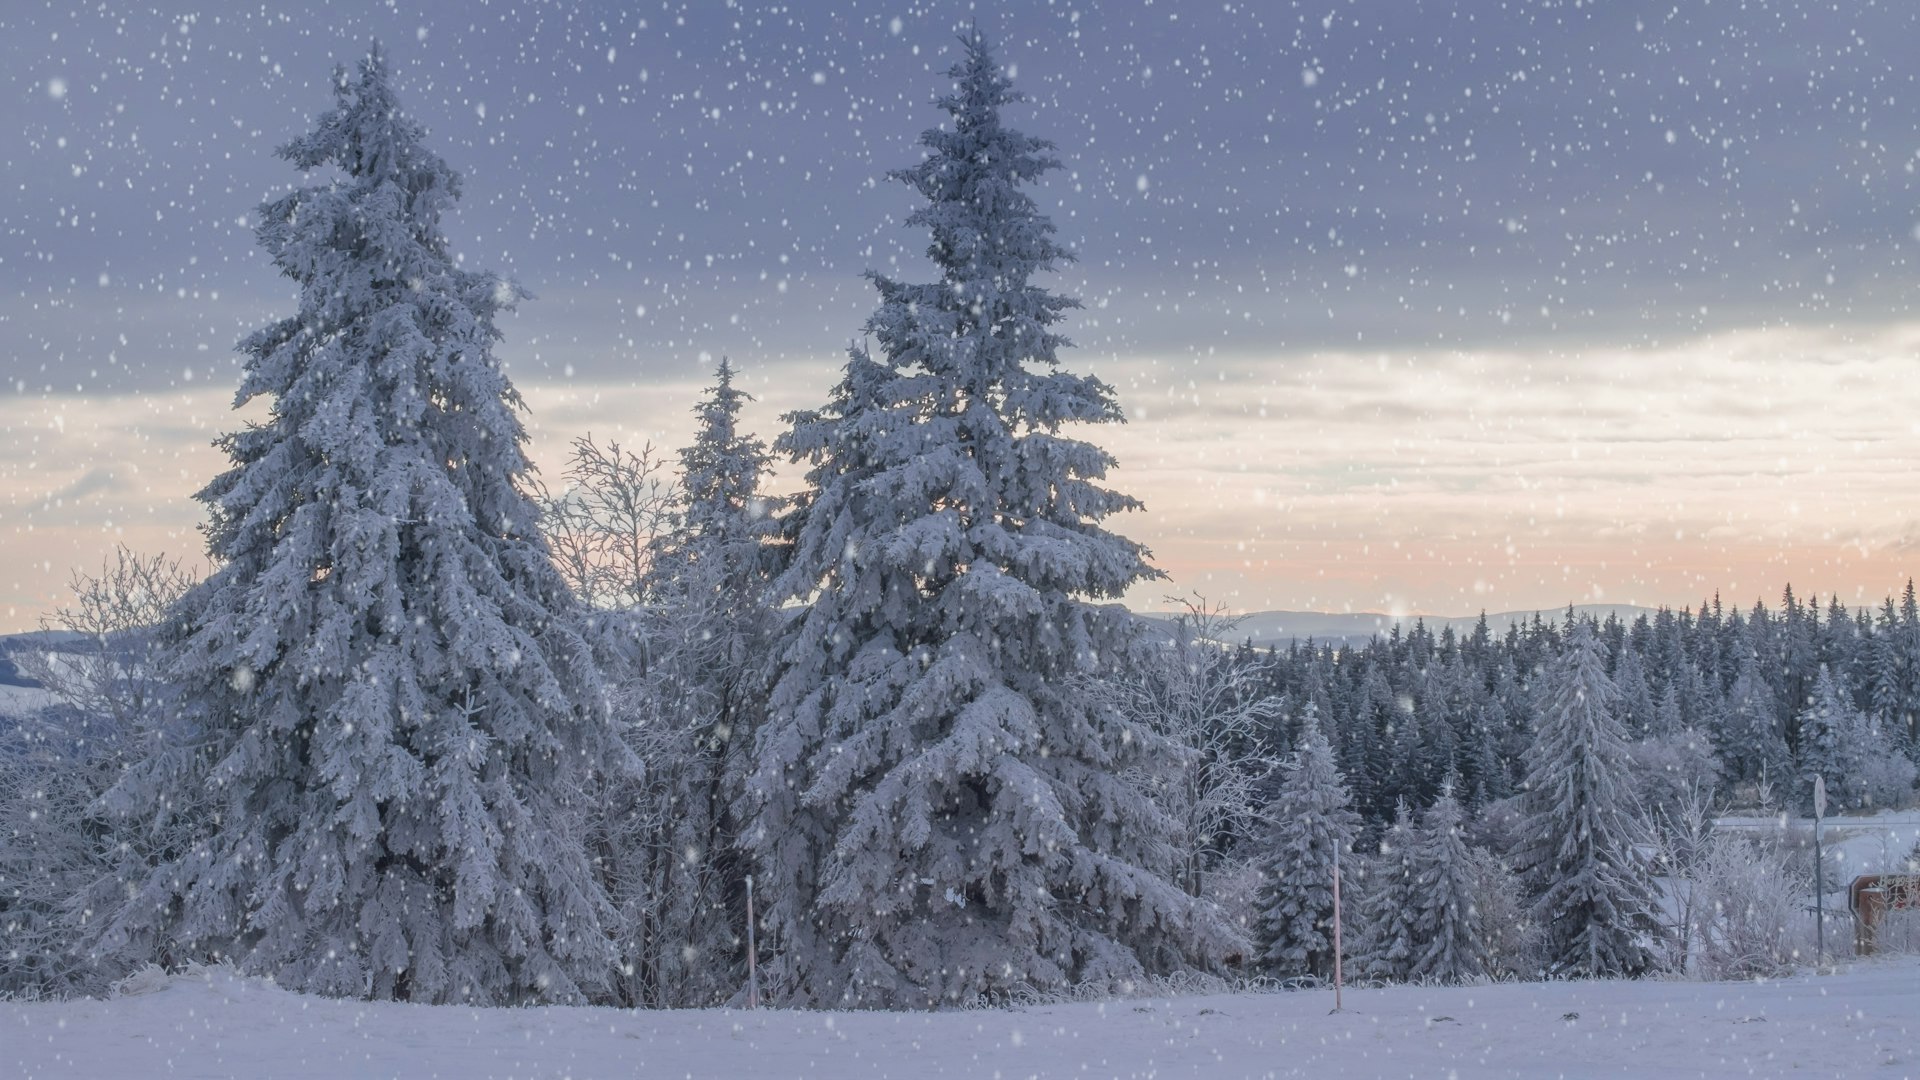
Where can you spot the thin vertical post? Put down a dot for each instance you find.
(1819, 901)
(753, 972)
(1819, 879)
(1336, 926)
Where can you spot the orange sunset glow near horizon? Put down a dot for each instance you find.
(1441, 483)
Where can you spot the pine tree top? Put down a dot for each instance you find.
(985, 228)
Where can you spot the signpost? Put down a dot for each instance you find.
(1819, 885)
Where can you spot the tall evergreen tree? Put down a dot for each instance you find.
(1636, 705)
(1908, 651)
(1799, 659)
(1668, 718)
(940, 814)
(704, 632)
(1312, 818)
(1384, 946)
(1581, 823)
(1862, 765)
(387, 696)
(1885, 692)
(1751, 745)
(1828, 728)
(1448, 926)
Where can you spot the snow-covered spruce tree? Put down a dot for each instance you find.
(937, 815)
(1383, 918)
(1750, 739)
(1581, 823)
(1862, 766)
(1448, 928)
(703, 635)
(1829, 731)
(1311, 818)
(1512, 940)
(388, 699)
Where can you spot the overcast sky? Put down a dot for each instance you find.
(1415, 306)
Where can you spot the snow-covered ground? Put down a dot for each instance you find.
(1862, 1022)
(1870, 844)
(23, 700)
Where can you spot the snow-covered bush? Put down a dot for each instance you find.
(52, 766)
(1682, 831)
(1883, 778)
(62, 862)
(1748, 904)
(1205, 699)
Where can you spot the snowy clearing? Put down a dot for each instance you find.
(1862, 1022)
(1859, 844)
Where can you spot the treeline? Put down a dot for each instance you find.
(1746, 702)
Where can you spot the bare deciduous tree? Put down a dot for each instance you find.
(99, 655)
(61, 857)
(1682, 837)
(1207, 699)
(604, 524)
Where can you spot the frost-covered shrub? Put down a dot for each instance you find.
(1235, 888)
(1883, 779)
(1748, 906)
(62, 862)
(1795, 845)
(1206, 700)
(50, 771)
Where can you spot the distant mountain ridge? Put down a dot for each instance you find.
(1282, 627)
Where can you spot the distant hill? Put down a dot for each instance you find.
(1282, 627)
(33, 639)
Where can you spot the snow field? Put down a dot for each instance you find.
(1863, 1022)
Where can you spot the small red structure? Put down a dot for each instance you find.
(1871, 896)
